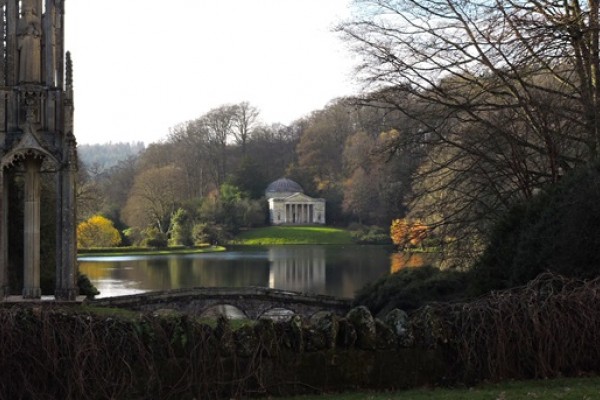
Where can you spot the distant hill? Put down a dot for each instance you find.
(104, 156)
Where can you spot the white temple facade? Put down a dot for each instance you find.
(288, 205)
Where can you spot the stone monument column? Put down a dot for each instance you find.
(31, 259)
(37, 140)
(66, 246)
(4, 287)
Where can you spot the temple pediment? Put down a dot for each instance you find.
(301, 198)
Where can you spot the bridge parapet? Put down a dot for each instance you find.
(253, 302)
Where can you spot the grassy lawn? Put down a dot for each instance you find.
(124, 251)
(558, 389)
(293, 235)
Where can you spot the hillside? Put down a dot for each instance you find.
(104, 156)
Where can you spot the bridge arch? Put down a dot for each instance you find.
(278, 314)
(228, 310)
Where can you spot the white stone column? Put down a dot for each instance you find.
(31, 257)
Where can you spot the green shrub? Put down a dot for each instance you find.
(411, 288)
(557, 231)
(157, 242)
(181, 229)
(86, 288)
(209, 233)
(155, 238)
(364, 234)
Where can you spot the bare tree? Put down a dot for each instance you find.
(219, 123)
(88, 192)
(502, 94)
(191, 146)
(321, 146)
(244, 122)
(155, 196)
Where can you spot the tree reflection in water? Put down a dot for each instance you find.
(332, 270)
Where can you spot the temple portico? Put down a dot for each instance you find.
(299, 213)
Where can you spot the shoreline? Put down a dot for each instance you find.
(148, 252)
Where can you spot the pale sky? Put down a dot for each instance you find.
(142, 66)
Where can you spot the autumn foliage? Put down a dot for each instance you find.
(97, 231)
(407, 233)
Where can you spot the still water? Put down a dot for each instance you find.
(332, 270)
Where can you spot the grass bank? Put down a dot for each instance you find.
(275, 235)
(563, 389)
(144, 251)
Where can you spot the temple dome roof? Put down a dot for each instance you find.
(283, 187)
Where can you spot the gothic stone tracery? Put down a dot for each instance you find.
(36, 136)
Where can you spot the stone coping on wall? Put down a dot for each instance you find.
(44, 299)
(252, 301)
(224, 292)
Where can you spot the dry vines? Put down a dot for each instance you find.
(52, 354)
(548, 328)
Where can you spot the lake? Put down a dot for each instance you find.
(331, 270)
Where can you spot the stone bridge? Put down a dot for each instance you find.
(247, 302)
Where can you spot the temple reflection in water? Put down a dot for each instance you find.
(300, 268)
(330, 270)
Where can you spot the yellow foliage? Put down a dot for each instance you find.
(322, 184)
(389, 136)
(97, 231)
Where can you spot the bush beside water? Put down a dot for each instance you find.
(411, 288)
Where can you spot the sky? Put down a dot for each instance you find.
(140, 67)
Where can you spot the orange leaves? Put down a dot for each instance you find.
(407, 233)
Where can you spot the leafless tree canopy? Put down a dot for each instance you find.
(503, 95)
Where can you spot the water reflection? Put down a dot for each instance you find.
(333, 270)
(399, 261)
(300, 268)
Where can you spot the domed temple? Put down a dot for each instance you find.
(288, 205)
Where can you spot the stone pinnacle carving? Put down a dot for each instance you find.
(30, 39)
(69, 70)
